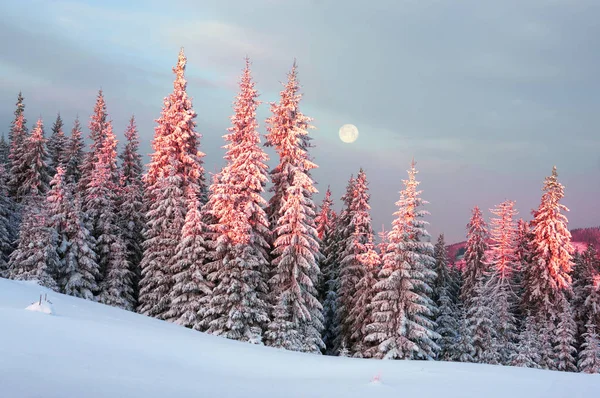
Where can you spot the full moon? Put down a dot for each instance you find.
(348, 133)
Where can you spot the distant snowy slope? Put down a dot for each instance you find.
(85, 349)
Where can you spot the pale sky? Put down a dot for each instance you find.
(486, 96)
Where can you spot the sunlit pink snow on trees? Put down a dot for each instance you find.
(176, 136)
(548, 277)
(502, 256)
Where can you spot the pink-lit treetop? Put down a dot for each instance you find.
(35, 176)
(325, 217)
(239, 269)
(503, 233)
(175, 136)
(549, 274)
(287, 131)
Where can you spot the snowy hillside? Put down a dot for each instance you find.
(85, 349)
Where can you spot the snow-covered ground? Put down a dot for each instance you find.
(85, 349)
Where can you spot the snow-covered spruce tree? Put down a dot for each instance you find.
(7, 233)
(446, 323)
(296, 252)
(342, 234)
(16, 141)
(523, 258)
(36, 257)
(35, 177)
(98, 124)
(80, 270)
(462, 349)
(456, 281)
(564, 339)
(589, 356)
(164, 222)
(176, 134)
(500, 287)
(325, 222)
(527, 349)
(116, 286)
(100, 179)
(176, 166)
(74, 154)
(351, 269)
(190, 289)
(57, 145)
(547, 279)
(442, 280)
(475, 264)
(586, 290)
(4, 151)
(19, 111)
(481, 327)
(238, 307)
(402, 307)
(286, 116)
(58, 207)
(18, 165)
(383, 242)
(361, 311)
(297, 318)
(131, 207)
(544, 329)
(326, 231)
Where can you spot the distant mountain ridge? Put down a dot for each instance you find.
(580, 237)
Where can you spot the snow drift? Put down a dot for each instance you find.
(86, 349)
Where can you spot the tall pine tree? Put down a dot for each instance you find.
(475, 263)
(57, 145)
(36, 180)
(176, 135)
(175, 170)
(361, 311)
(326, 231)
(98, 124)
(131, 207)
(74, 154)
(352, 269)
(164, 221)
(78, 270)
(332, 332)
(16, 141)
(297, 319)
(402, 308)
(500, 287)
(480, 320)
(191, 290)
(116, 287)
(238, 307)
(547, 279)
(36, 257)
